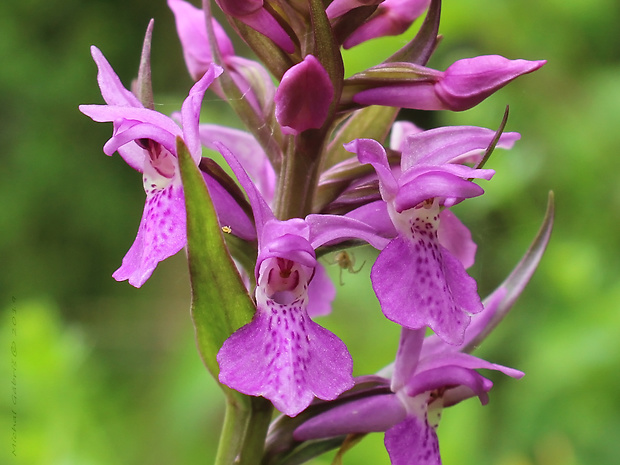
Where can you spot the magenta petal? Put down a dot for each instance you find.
(367, 415)
(304, 96)
(376, 214)
(260, 209)
(161, 234)
(112, 90)
(286, 357)
(456, 237)
(407, 356)
(449, 376)
(444, 145)
(372, 152)
(468, 82)
(190, 111)
(393, 17)
(192, 31)
(434, 184)
(240, 7)
(229, 213)
(399, 133)
(413, 442)
(263, 22)
(325, 229)
(247, 151)
(321, 293)
(340, 7)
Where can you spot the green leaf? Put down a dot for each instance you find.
(514, 284)
(220, 302)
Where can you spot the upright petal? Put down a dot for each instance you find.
(190, 111)
(112, 90)
(192, 31)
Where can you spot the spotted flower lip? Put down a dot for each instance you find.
(145, 139)
(419, 277)
(421, 385)
(282, 354)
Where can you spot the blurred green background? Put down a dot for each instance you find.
(104, 373)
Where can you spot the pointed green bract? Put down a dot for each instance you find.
(220, 301)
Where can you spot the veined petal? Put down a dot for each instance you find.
(413, 441)
(419, 283)
(140, 131)
(286, 357)
(113, 113)
(161, 234)
(333, 228)
(375, 214)
(444, 145)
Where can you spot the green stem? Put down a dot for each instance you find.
(254, 443)
(299, 175)
(244, 430)
(233, 431)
